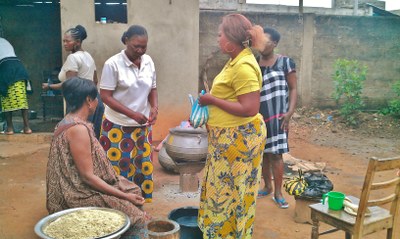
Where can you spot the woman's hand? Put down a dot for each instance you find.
(285, 118)
(153, 116)
(206, 99)
(108, 99)
(45, 86)
(135, 199)
(139, 117)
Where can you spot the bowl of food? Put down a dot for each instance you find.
(82, 223)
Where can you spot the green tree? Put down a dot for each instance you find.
(393, 107)
(348, 78)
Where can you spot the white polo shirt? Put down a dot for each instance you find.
(130, 84)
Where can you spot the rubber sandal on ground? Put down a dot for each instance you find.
(281, 203)
(7, 132)
(263, 193)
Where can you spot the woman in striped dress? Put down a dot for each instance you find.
(278, 102)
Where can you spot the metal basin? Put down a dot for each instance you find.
(39, 227)
(187, 144)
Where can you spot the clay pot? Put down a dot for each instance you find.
(187, 144)
(166, 162)
(163, 229)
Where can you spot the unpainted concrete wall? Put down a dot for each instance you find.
(183, 61)
(345, 7)
(315, 42)
(173, 45)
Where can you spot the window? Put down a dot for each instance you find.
(110, 11)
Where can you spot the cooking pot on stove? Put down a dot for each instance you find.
(187, 144)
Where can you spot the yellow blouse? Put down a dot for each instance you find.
(240, 76)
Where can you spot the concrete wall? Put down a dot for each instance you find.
(184, 46)
(345, 7)
(315, 42)
(173, 45)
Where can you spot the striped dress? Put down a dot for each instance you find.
(275, 102)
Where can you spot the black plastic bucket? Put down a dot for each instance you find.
(186, 217)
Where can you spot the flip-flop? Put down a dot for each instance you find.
(281, 203)
(263, 193)
(7, 132)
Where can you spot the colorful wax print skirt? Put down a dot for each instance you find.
(16, 98)
(231, 180)
(129, 151)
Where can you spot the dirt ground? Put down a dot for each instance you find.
(314, 136)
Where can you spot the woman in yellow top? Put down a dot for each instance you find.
(237, 135)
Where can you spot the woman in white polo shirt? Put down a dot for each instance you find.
(128, 89)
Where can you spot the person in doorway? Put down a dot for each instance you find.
(128, 89)
(78, 171)
(236, 135)
(79, 63)
(278, 103)
(13, 83)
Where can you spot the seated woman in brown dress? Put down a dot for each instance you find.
(78, 171)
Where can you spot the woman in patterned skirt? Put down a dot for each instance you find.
(236, 135)
(128, 89)
(13, 79)
(278, 102)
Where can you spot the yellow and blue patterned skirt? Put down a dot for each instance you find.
(129, 151)
(16, 98)
(231, 180)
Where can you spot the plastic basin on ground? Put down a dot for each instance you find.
(186, 217)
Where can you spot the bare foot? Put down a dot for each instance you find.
(147, 216)
(27, 131)
(7, 132)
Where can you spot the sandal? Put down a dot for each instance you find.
(7, 132)
(281, 203)
(263, 193)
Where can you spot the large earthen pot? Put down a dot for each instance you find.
(166, 162)
(187, 144)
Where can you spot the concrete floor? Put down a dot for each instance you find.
(23, 160)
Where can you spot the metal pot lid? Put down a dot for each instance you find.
(180, 130)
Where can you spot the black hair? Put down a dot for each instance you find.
(134, 30)
(75, 91)
(78, 33)
(275, 36)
